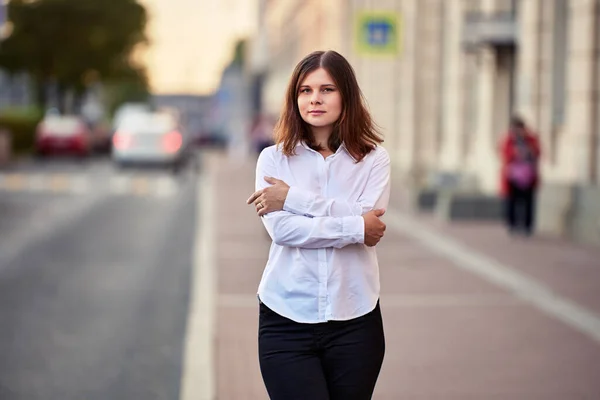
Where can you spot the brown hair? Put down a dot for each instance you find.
(355, 127)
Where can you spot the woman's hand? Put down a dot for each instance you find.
(271, 198)
(374, 227)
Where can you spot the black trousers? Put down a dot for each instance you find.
(335, 360)
(520, 208)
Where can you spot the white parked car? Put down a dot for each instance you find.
(151, 138)
(128, 109)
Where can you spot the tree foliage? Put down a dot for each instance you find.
(73, 43)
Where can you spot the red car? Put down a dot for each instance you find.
(58, 134)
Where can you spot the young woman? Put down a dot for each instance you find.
(321, 191)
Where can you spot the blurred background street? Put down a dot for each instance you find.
(129, 131)
(94, 281)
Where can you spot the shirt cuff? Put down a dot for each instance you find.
(354, 229)
(297, 202)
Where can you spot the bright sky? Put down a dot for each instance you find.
(192, 40)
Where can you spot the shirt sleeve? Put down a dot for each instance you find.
(293, 230)
(375, 195)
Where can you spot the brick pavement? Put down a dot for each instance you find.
(450, 334)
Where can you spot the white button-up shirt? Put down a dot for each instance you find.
(319, 268)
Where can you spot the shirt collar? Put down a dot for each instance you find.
(343, 147)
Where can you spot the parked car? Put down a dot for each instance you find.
(152, 138)
(62, 134)
(128, 109)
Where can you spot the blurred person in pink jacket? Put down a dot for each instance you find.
(519, 176)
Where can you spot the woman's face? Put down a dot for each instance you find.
(319, 100)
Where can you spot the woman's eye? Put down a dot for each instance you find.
(304, 90)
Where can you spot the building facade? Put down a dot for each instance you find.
(463, 67)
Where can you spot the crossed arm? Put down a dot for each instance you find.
(297, 218)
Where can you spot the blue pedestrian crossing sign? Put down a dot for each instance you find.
(378, 32)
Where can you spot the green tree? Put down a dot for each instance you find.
(72, 42)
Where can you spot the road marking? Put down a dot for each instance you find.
(37, 183)
(507, 277)
(14, 182)
(140, 186)
(119, 184)
(198, 378)
(165, 187)
(80, 185)
(59, 183)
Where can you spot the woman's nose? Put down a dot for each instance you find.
(316, 98)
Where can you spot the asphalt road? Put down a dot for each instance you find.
(94, 281)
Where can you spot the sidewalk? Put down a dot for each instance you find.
(469, 313)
